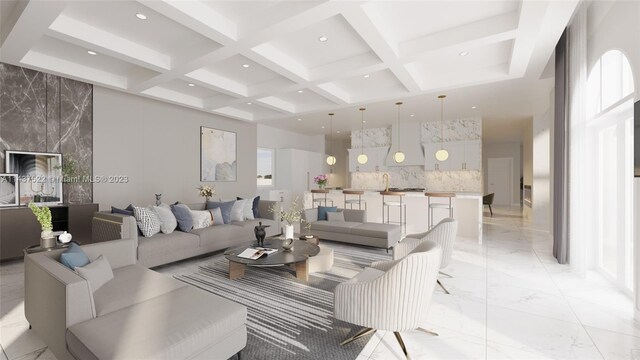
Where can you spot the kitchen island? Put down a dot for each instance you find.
(467, 209)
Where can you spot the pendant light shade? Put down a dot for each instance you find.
(331, 160)
(398, 157)
(362, 158)
(442, 154)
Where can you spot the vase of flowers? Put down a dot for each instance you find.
(43, 215)
(207, 191)
(291, 216)
(321, 180)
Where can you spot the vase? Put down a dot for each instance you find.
(288, 231)
(47, 240)
(320, 186)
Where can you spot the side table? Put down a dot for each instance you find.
(313, 239)
(36, 248)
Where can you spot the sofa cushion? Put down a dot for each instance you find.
(219, 234)
(161, 244)
(74, 256)
(147, 220)
(237, 210)
(335, 216)
(177, 325)
(323, 210)
(183, 216)
(375, 230)
(216, 216)
(225, 207)
(97, 273)
(168, 222)
(334, 226)
(131, 285)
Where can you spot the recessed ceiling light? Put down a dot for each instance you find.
(299, 119)
(249, 103)
(191, 84)
(412, 115)
(366, 76)
(300, 91)
(338, 131)
(323, 39)
(473, 107)
(245, 65)
(323, 126)
(364, 121)
(463, 53)
(141, 16)
(91, 52)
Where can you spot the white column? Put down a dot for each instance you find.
(636, 245)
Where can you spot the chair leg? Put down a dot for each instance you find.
(443, 288)
(404, 348)
(445, 274)
(429, 332)
(239, 356)
(491, 210)
(360, 334)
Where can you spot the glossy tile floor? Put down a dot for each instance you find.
(509, 299)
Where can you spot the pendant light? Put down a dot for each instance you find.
(331, 160)
(362, 158)
(398, 157)
(442, 154)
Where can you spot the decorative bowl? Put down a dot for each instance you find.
(287, 244)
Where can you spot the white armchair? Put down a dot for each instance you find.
(390, 295)
(443, 234)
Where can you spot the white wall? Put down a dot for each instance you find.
(511, 150)
(276, 138)
(157, 145)
(541, 170)
(527, 163)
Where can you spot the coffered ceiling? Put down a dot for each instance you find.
(277, 61)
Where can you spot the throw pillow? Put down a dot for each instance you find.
(115, 210)
(254, 206)
(237, 211)
(225, 208)
(335, 216)
(323, 210)
(168, 221)
(147, 220)
(216, 216)
(74, 256)
(201, 219)
(183, 216)
(97, 273)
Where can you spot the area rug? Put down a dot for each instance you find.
(288, 318)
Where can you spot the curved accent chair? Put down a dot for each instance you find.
(444, 234)
(391, 295)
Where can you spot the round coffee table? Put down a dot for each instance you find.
(297, 258)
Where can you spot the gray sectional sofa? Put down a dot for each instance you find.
(139, 314)
(354, 230)
(162, 249)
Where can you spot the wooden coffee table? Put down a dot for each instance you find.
(296, 258)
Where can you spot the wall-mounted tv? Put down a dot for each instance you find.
(39, 175)
(636, 134)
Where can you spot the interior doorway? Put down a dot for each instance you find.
(500, 180)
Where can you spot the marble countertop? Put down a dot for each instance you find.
(371, 192)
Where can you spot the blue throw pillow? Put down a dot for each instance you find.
(254, 206)
(183, 216)
(323, 210)
(74, 257)
(225, 208)
(115, 210)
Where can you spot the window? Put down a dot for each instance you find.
(609, 128)
(265, 167)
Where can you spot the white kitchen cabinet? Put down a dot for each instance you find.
(376, 159)
(463, 155)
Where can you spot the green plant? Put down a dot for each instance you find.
(43, 214)
(293, 215)
(71, 169)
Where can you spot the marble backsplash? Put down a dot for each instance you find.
(454, 130)
(47, 113)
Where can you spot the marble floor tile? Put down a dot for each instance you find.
(532, 301)
(615, 346)
(17, 340)
(424, 346)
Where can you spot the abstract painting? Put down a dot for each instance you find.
(8, 190)
(217, 155)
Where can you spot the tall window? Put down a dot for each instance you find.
(610, 128)
(265, 167)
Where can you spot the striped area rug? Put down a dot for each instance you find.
(288, 318)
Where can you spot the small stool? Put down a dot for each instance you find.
(320, 200)
(444, 206)
(321, 262)
(399, 204)
(351, 202)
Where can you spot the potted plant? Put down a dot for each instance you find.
(43, 215)
(207, 191)
(291, 216)
(321, 180)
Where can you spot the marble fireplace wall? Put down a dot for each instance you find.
(416, 176)
(46, 113)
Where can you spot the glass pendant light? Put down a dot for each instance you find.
(331, 160)
(362, 158)
(442, 154)
(398, 157)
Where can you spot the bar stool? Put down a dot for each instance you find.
(351, 202)
(399, 204)
(320, 200)
(443, 206)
